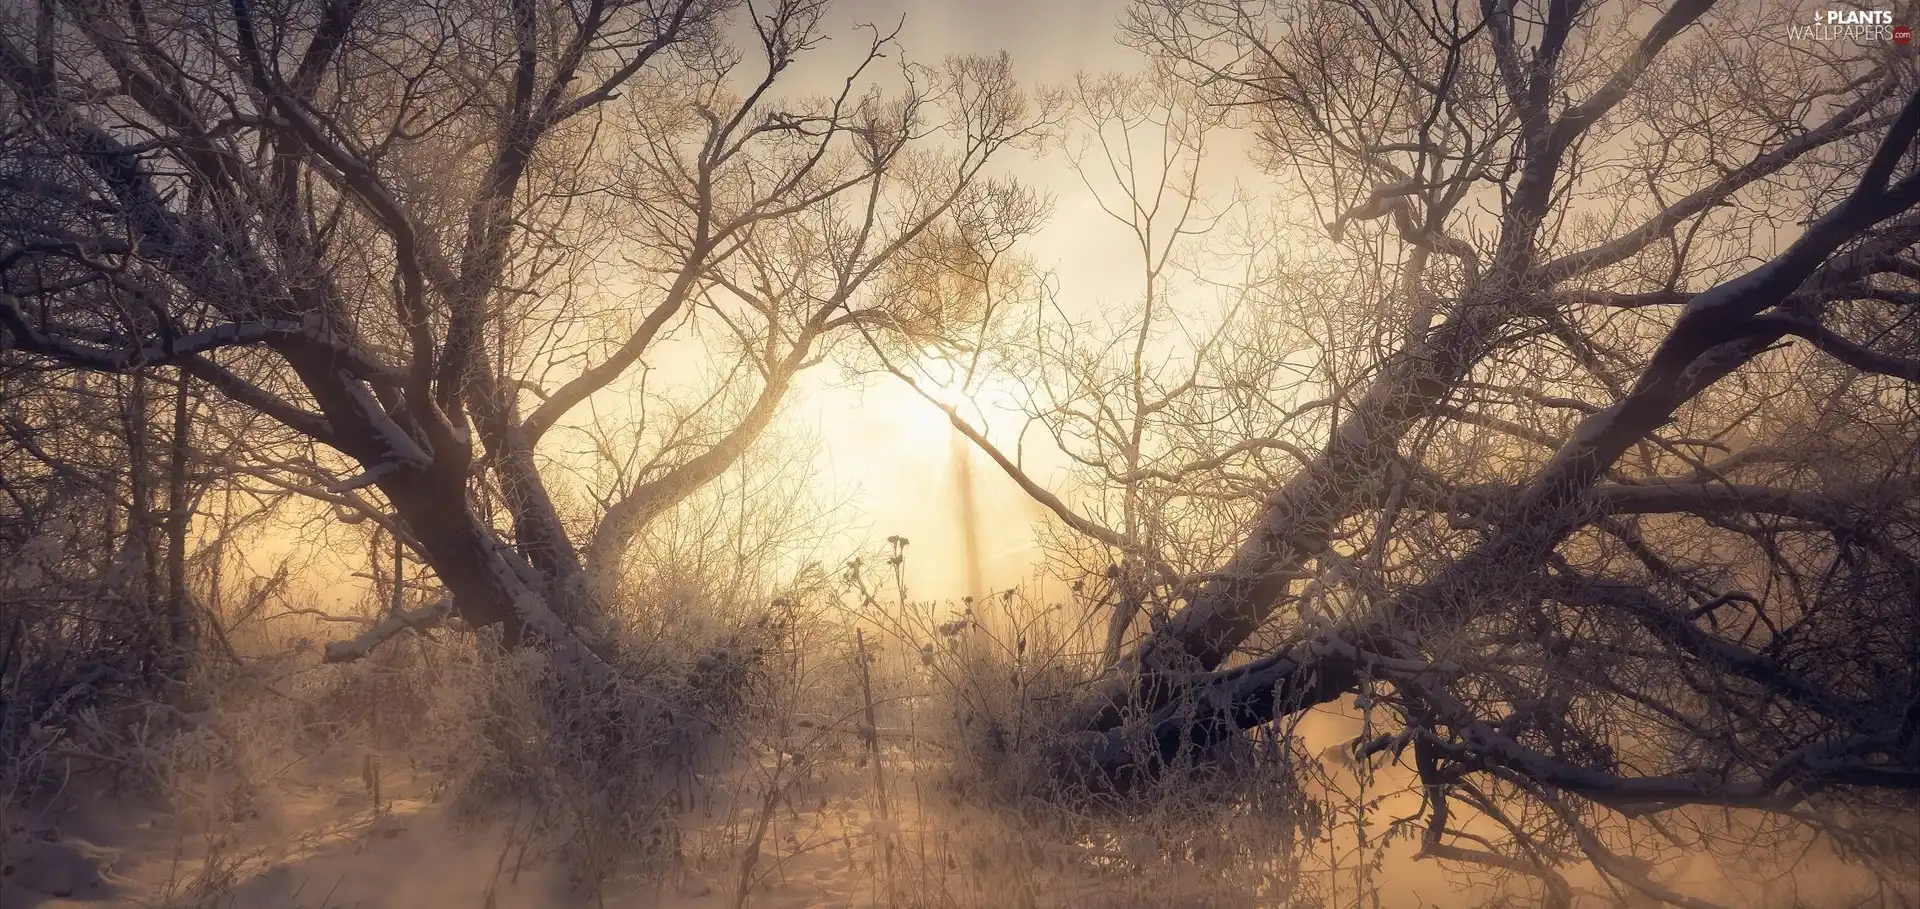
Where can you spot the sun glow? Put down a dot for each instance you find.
(971, 388)
(912, 473)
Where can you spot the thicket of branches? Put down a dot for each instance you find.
(1579, 455)
(1559, 415)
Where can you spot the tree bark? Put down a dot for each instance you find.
(179, 601)
(142, 534)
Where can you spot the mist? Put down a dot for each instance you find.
(1130, 453)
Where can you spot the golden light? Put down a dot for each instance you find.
(919, 477)
(972, 387)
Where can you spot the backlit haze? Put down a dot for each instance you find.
(883, 459)
(893, 453)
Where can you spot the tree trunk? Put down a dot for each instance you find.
(1300, 517)
(142, 534)
(178, 614)
(625, 520)
(465, 553)
(539, 535)
(1171, 702)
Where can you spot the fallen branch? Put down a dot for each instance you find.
(358, 646)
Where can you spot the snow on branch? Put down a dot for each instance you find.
(384, 630)
(1859, 356)
(25, 336)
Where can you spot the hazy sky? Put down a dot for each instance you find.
(885, 442)
(885, 453)
(1049, 39)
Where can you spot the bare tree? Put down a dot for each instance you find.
(1602, 482)
(101, 475)
(378, 224)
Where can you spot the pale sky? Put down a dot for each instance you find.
(886, 443)
(1048, 39)
(884, 452)
(889, 447)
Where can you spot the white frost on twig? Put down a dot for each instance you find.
(358, 646)
(367, 478)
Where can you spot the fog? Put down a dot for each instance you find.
(965, 454)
